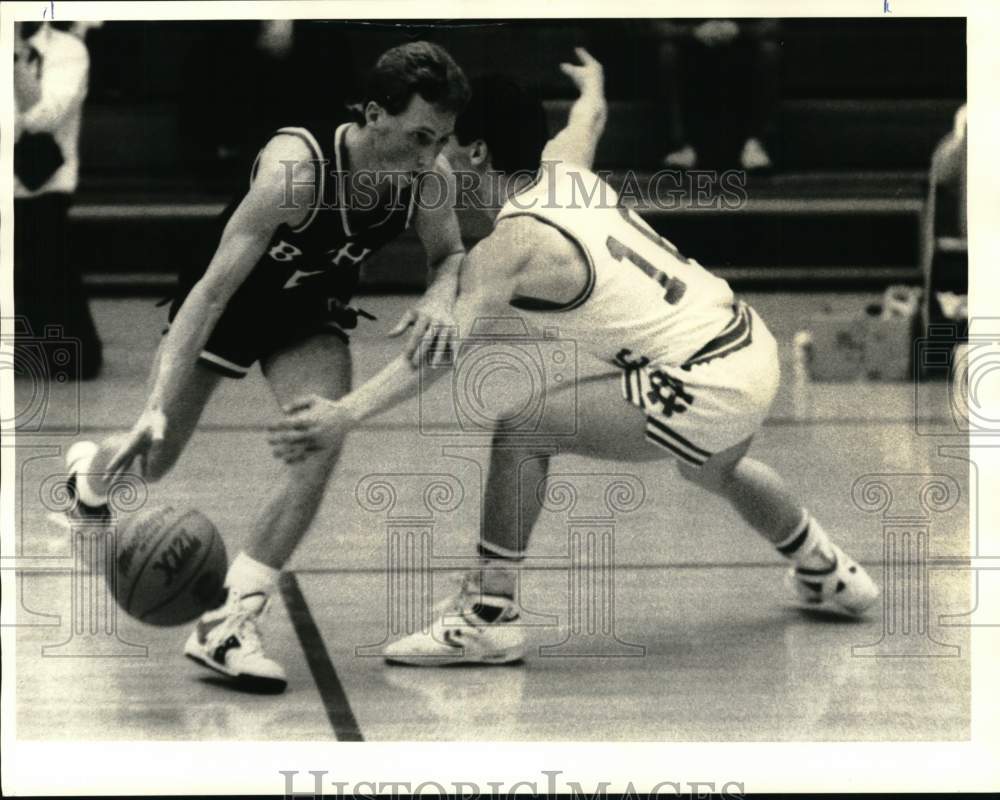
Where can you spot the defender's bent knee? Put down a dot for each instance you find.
(712, 479)
(715, 473)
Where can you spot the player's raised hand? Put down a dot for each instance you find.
(311, 424)
(142, 442)
(588, 75)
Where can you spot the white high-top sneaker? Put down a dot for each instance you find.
(469, 628)
(845, 585)
(227, 640)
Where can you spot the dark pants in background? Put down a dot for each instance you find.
(237, 95)
(715, 98)
(49, 297)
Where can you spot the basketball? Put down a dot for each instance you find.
(170, 565)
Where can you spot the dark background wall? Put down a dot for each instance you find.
(863, 103)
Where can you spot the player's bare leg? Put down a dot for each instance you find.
(753, 489)
(322, 366)
(511, 492)
(227, 639)
(608, 429)
(822, 572)
(473, 625)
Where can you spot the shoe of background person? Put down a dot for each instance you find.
(685, 158)
(754, 156)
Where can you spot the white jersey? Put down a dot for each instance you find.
(642, 299)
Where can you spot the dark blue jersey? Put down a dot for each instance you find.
(302, 283)
(347, 223)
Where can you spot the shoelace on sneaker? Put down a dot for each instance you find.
(248, 633)
(243, 624)
(455, 600)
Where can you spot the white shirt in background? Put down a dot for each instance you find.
(65, 67)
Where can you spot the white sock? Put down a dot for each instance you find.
(79, 457)
(248, 576)
(808, 545)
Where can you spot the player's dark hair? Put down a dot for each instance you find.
(510, 119)
(417, 68)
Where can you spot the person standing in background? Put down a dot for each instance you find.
(708, 66)
(50, 85)
(243, 79)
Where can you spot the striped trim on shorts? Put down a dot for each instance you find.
(664, 394)
(735, 336)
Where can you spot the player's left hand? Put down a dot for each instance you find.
(433, 330)
(311, 424)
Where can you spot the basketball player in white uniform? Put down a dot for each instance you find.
(698, 369)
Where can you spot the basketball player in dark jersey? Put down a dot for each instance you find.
(321, 199)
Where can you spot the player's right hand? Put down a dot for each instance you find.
(145, 438)
(588, 75)
(311, 424)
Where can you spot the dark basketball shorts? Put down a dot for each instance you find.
(256, 324)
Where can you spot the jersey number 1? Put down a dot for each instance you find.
(674, 287)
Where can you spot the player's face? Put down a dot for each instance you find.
(409, 142)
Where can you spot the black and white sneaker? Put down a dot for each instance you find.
(844, 585)
(227, 640)
(468, 628)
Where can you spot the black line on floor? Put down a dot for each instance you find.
(331, 690)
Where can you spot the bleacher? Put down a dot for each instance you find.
(863, 104)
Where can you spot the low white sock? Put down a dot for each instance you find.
(249, 576)
(808, 545)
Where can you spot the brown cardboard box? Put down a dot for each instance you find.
(861, 346)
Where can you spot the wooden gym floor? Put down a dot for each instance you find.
(684, 633)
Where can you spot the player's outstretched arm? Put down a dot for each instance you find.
(243, 242)
(431, 321)
(577, 142)
(313, 423)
